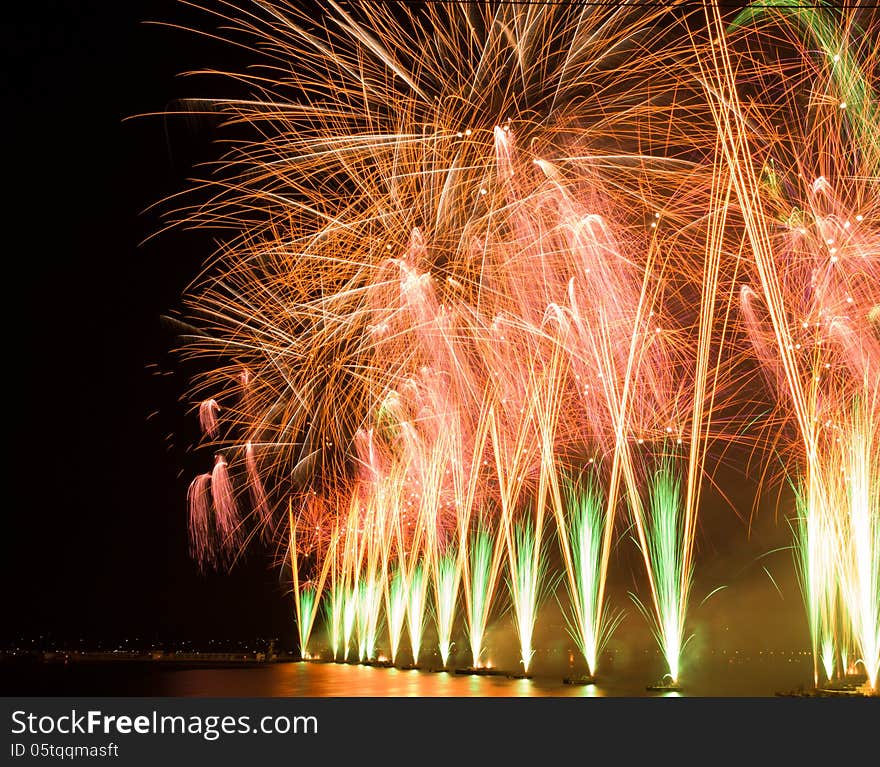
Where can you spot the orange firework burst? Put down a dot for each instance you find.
(447, 289)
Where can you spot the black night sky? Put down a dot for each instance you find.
(95, 525)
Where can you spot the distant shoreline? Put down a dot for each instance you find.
(191, 659)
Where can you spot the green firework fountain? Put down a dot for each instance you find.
(396, 610)
(415, 612)
(333, 609)
(306, 617)
(369, 604)
(480, 591)
(586, 524)
(528, 566)
(349, 618)
(665, 542)
(445, 593)
(811, 556)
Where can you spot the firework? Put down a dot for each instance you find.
(395, 609)
(666, 553)
(415, 611)
(305, 618)
(817, 278)
(349, 617)
(445, 594)
(334, 608)
(480, 590)
(446, 290)
(588, 624)
(814, 560)
(528, 569)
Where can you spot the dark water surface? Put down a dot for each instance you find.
(716, 678)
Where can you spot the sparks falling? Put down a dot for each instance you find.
(448, 290)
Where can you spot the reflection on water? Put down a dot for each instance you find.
(329, 679)
(753, 679)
